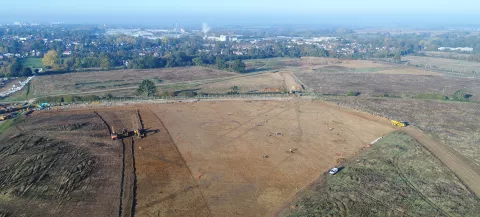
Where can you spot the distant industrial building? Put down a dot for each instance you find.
(463, 49)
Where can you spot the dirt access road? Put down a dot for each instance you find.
(468, 173)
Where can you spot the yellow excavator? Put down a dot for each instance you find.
(3, 117)
(398, 123)
(139, 133)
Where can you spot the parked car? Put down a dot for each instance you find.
(333, 171)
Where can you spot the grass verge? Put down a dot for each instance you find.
(396, 177)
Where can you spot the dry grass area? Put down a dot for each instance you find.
(266, 82)
(396, 177)
(340, 80)
(454, 124)
(307, 64)
(460, 66)
(104, 80)
(443, 54)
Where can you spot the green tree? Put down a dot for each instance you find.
(220, 63)
(238, 66)
(461, 96)
(69, 63)
(105, 62)
(397, 58)
(197, 61)
(51, 59)
(27, 72)
(147, 88)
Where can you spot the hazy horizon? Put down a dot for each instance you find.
(248, 12)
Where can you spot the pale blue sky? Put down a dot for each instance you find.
(120, 10)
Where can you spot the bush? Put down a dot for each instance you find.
(351, 93)
(187, 94)
(435, 96)
(108, 96)
(167, 94)
(147, 88)
(461, 96)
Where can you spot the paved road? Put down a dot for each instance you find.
(465, 170)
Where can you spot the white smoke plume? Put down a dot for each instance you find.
(205, 28)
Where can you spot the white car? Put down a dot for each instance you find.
(333, 171)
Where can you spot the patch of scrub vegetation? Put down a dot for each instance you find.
(396, 177)
(434, 96)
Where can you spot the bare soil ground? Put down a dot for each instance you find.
(206, 158)
(227, 158)
(104, 80)
(59, 164)
(238, 152)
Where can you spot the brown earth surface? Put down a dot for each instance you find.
(217, 158)
(239, 152)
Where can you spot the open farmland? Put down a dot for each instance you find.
(101, 81)
(464, 67)
(308, 64)
(227, 158)
(340, 80)
(396, 177)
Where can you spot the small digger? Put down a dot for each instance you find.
(126, 133)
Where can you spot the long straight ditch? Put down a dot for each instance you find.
(129, 180)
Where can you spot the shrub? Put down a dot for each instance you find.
(187, 94)
(147, 87)
(351, 93)
(435, 96)
(461, 96)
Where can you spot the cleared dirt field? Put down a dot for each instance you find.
(238, 152)
(72, 83)
(59, 164)
(208, 158)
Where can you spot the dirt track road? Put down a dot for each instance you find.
(468, 173)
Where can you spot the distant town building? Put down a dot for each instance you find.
(463, 49)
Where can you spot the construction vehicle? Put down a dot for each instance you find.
(398, 123)
(296, 90)
(3, 117)
(138, 133)
(114, 135)
(125, 133)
